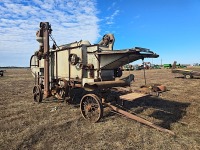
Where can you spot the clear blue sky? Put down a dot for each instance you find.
(171, 28)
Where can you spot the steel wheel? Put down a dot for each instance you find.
(37, 93)
(91, 107)
(187, 76)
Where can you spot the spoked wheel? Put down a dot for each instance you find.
(37, 93)
(187, 76)
(91, 107)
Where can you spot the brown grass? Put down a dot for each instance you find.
(25, 124)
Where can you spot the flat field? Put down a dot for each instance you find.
(25, 124)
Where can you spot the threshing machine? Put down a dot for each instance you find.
(80, 65)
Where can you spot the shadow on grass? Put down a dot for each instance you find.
(166, 111)
(52, 100)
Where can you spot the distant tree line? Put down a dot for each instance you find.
(13, 67)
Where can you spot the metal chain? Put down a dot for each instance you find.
(54, 41)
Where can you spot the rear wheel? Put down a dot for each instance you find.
(37, 93)
(91, 107)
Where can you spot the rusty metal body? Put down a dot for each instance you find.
(93, 68)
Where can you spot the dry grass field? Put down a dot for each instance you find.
(25, 124)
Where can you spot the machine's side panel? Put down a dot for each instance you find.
(92, 59)
(41, 67)
(63, 67)
(75, 69)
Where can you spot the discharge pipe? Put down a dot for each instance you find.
(108, 84)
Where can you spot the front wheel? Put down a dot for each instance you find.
(91, 107)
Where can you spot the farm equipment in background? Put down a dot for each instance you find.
(188, 74)
(128, 67)
(1, 72)
(146, 65)
(167, 66)
(155, 66)
(94, 69)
